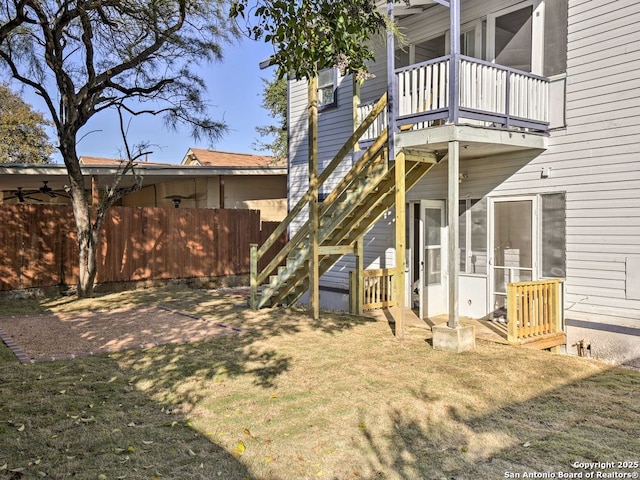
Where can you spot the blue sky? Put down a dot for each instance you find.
(234, 89)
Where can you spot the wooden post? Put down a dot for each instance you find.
(314, 267)
(512, 313)
(95, 191)
(454, 64)
(356, 104)
(400, 242)
(359, 274)
(453, 209)
(221, 191)
(253, 276)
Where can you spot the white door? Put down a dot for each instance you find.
(409, 249)
(513, 246)
(433, 261)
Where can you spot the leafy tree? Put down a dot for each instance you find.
(275, 101)
(23, 138)
(310, 35)
(137, 57)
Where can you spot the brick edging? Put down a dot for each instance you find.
(15, 349)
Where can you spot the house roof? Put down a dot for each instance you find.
(216, 158)
(84, 160)
(32, 176)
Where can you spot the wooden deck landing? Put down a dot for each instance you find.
(486, 330)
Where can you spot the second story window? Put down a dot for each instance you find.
(327, 85)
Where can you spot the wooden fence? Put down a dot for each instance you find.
(38, 244)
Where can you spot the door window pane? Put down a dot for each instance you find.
(433, 225)
(462, 236)
(430, 49)
(468, 43)
(477, 259)
(513, 234)
(472, 236)
(513, 39)
(433, 246)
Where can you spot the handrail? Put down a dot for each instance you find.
(378, 288)
(479, 61)
(258, 253)
(346, 148)
(534, 308)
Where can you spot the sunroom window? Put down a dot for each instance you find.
(473, 236)
(553, 235)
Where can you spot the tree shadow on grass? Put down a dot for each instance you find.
(85, 419)
(593, 419)
(183, 372)
(154, 390)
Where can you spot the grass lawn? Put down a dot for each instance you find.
(296, 399)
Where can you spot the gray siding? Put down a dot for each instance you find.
(595, 159)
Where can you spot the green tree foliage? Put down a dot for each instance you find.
(136, 57)
(310, 35)
(23, 138)
(274, 100)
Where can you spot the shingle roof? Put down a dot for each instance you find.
(215, 158)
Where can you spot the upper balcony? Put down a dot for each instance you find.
(480, 94)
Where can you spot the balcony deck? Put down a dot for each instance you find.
(495, 109)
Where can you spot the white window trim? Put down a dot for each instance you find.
(537, 33)
(334, 84)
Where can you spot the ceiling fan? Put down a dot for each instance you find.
(45, 189)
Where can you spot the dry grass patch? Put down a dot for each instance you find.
(295, 399)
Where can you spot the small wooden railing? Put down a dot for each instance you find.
(534, 309)
(377, 288)
(256, 276)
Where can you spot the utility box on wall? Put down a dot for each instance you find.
(632, 278)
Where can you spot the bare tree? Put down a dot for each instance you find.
(136, 56)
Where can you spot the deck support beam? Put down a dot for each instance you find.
(453, 337)
(314, 246)
(400, 247)
(453, 208)
(356, 279)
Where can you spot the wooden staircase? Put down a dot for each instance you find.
(355, 204)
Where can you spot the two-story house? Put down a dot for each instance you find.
(506, 150)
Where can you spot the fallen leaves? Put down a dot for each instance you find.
(239, 450)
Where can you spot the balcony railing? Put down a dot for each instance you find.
(487, 94)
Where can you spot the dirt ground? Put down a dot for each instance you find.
(65, 335)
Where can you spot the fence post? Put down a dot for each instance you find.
(512, 313)
(352, 292)
(253, 276)
(555, 307)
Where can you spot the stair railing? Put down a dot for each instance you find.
(534, 308)
(256, 277)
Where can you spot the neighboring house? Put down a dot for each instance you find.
(243, 184)
(265, 192)
(526, 132)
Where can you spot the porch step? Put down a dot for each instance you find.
(540, 342)
(543, 342)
